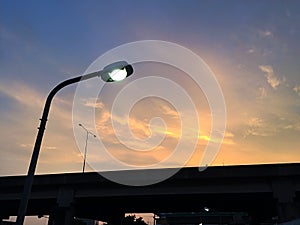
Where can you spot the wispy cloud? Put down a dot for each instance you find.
(251, 50)
(271, 125)
(93, 103)
(258, 127)
(21, 125)
(21, 93)
(266, 33)
(169, 111)
(297, 89)
(272, 79)
(262, 93)
(139, 127)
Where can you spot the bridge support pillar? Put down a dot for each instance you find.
(288, 211)
(116, 218)
(61, 216)
(63, 212)
(285, 192)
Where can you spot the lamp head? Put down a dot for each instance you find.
(116, 71)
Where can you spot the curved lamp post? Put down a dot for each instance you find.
(114, 72)
(86, 142)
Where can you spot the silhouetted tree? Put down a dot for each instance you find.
(132, 220)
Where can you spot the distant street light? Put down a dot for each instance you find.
(114, 72)
(206, 209)
(86, 142)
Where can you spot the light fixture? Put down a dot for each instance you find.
(116, 71)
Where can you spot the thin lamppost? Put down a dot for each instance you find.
(114, 72)
(86, 143)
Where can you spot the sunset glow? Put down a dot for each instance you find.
(251, 47)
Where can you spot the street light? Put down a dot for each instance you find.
(113, 72)
(86, 142)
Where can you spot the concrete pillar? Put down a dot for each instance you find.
(69, 216)
(50, 220)
(288, 211)
(62, 216)
(63, 212)
(116, 218)
(284, 191)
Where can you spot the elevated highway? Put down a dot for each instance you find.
(264, 192)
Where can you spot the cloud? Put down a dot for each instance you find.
(169, 111)
(266, 33)
(21, 93)
(104, 125)
(227, 139)
(258, 127)
(19, 123)
(93, 103)
(142, 131)
(272, 79)
(262, 93)
(271, 125)
(297, 89)
(251, 50)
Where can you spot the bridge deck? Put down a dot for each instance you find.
(255, 189)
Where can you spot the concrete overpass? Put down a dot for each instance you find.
(264, 192)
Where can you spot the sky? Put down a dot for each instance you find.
(252, 47)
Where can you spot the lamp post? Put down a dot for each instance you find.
(86, 142)
(114, 72)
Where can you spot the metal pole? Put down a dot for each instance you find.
(85, 150)
(86, 143)
(34, 157)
